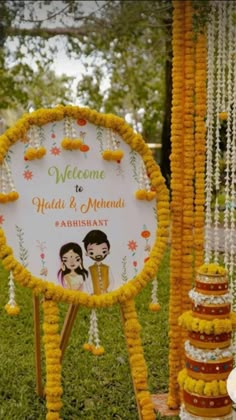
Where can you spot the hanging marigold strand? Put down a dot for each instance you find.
(200, 148)
(188, 152)
(138, 366)
(175, 303)
(53, 388)
(209, 137)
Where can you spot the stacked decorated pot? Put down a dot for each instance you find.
(208, 350)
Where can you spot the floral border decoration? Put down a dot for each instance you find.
(136, 142)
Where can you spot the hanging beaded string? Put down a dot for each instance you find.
(112, 152)
(218, 107)
(209, 136)
(113, 140)
(67, 127)
(224, 55)
(93, 344)
(144, 192)
(232, 43)
(228, 174)
(11, 307)
(35, 149)
(154, 305)
(70, 141)
(8, 190)
(109, 139)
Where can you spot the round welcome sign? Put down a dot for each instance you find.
(83, 206)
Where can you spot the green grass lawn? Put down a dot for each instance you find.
(94, 387)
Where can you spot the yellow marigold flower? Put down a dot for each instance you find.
(71, 144)
(52, 416)
(223, 116)
(53, 391)
(233, 319)
(107, 154)
(212, 268)
(117, 154)
(12, 310)
(55, 406)
(88, 346)
(222, 387)
(35, 153)
(98, 351)
(50, 329)
(140, 195)
(154, 307)
(4, 198)
(150, 195)
(13, 195)
(199, 388)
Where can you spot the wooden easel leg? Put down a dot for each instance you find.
(39, 388)
(67, 327)
(134, 387)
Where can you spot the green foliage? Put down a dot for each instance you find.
(201, 16)
(94, 387)
(132, 48)
(124, 45)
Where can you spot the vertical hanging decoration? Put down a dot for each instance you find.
(35, 149)
(11, 307)
(138, 365)
(188, 153)
(93, 344)
(227, 125)
(144, 192)
(221, 138)
(200, 148)
(182, 164)
(154, 305)
(112, 152)
(53, 388)
(71, 141)
(218, 105)
(176, 202)
(7, 186)
(209, 138)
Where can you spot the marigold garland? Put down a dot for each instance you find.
(177, 130)
(214, 326)
(138, 366)
(187, 166)
(213, 388)
(212, 268)
(118, 125)
(200, 140)
(53, 388)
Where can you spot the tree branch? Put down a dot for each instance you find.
(51, 32)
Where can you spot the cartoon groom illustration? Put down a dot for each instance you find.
(97, 247)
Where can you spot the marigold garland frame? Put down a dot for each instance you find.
(124, 295)
(129, 290)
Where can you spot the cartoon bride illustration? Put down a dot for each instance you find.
(72, 274)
